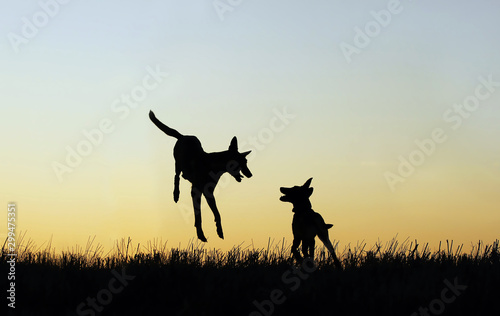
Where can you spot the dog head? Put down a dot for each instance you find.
(297, 194)
(238, 162)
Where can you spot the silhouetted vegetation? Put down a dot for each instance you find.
(395, 278)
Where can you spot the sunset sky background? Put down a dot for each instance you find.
(229, 74)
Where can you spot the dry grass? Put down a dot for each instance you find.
(392, 278)
(196, 254)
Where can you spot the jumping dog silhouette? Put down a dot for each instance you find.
(203, 170)
(306, 224)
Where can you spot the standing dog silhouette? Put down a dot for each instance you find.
(306, 224)
(203, 170)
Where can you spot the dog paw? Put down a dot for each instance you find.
(219, 231)
(201, 235)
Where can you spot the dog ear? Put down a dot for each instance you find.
(328, 226)
(310, 191)
(234, 144)
(246, 153)
(308, 183)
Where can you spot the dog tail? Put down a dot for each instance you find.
(167, 130)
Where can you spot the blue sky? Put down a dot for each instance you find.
(352, 120)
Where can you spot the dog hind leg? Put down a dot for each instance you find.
(176, 182)
(209, 196)
(326, 241)
(196, 195)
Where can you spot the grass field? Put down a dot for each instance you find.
(392, 278)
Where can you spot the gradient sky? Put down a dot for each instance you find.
(350, 118)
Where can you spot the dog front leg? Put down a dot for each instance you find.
(196, 195)
(308, 248)
(295, 250)
(311, 248)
